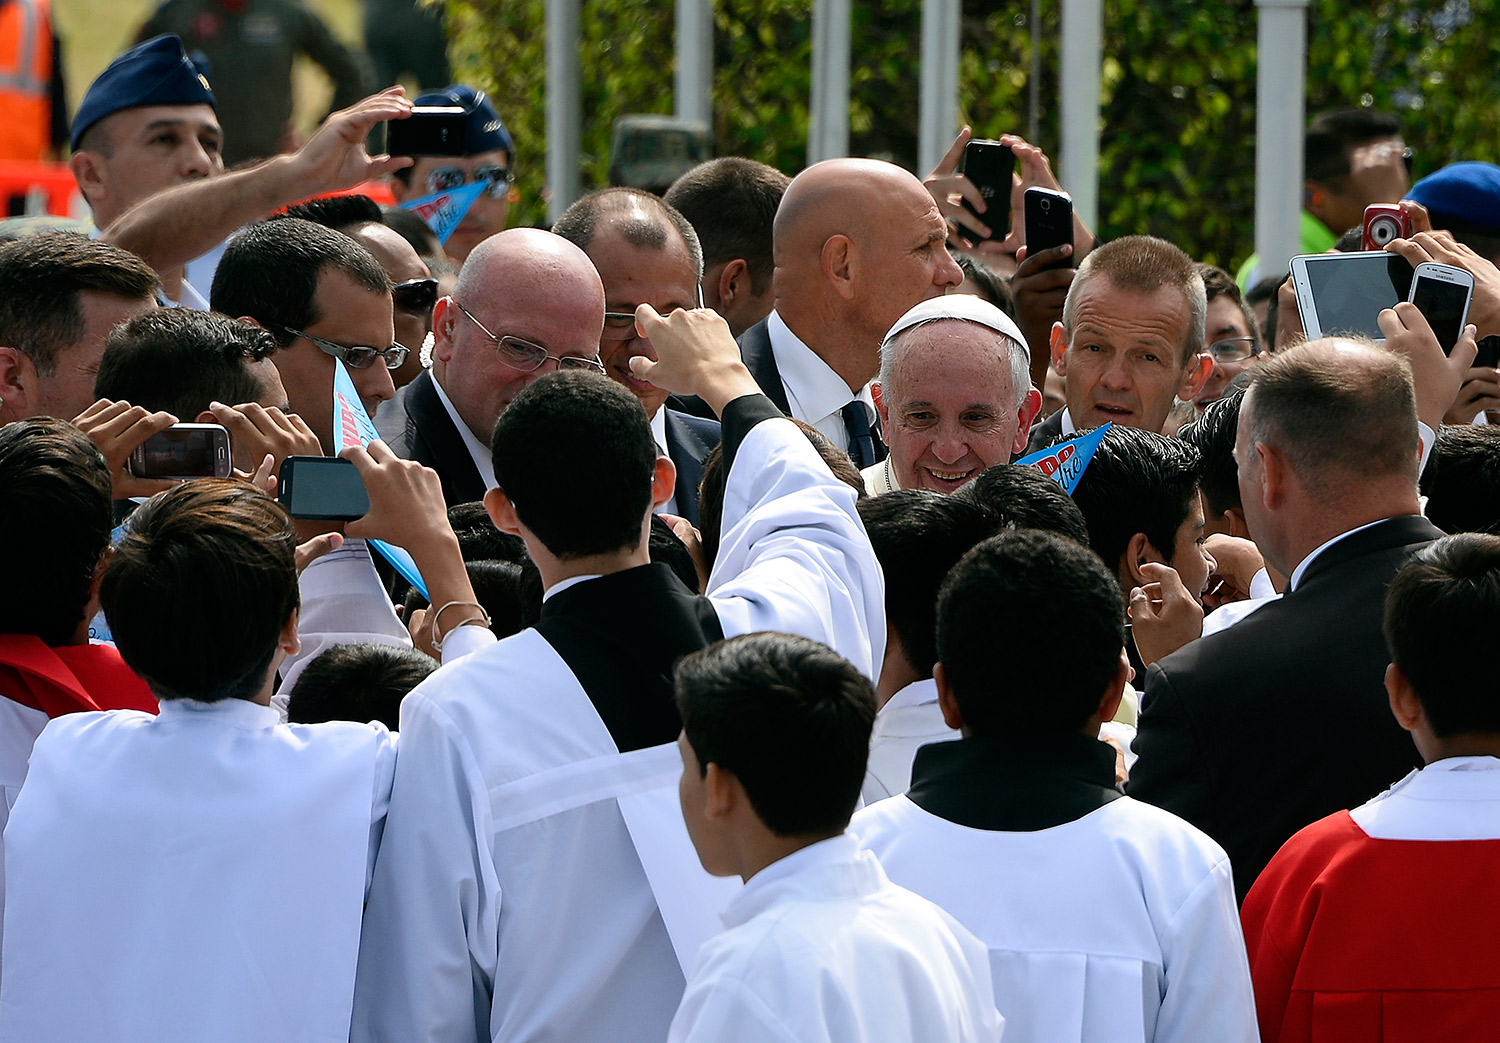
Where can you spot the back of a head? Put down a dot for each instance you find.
(270, 271)
(180, 361)
(1342, 411)
(790, 718)
(1441, 607)
(1020, 497)
(1213, 435)
(918, 535)
(1138, 481)
(340, 212)
(200, 587)
(643, 220)
(1144, 264)
(588, 427)
(1331, 135)
(357, 682)
(731, 203)
(1462, 479)
(479, 540)
(55, 518)
(1029, 634)
(415, 231)
(41, 277)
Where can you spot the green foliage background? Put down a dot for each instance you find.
(1178, 133)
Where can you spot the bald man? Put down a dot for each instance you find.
(527, 303)
(857, 243)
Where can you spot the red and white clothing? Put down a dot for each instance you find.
(1381, 923)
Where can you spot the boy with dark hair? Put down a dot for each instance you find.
(1422, 967)
(211, 813)
(357, 682)
(819, 945)
(1106, 918)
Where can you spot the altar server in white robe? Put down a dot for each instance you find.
(536, 880)
(198, 875)
(820, 946)
(1107, 920)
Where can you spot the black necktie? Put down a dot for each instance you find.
(861, 440)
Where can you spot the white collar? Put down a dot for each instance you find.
(659, 432)
(563, 584)
(483, 461)
(779, 878)
(918, 693)
(813, 390)
(1068, 427)
(237, 713)
(1291, 584)
(880, 478)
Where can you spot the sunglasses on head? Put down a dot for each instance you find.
(415, 295)
(496, 178)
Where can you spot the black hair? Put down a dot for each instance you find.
(1029, 605)
(666, 547)
(789, 718)
(991, 286)
(1266, 291)
(1138, 481)
(1020, 497)
(340, 212)
(1462, 479)
(510, 593)
(1445, 601)
(216, 539)
(55, 520)
(180, 361)
(1213, 435)
(357, 682)
(711, 485)
(918, 535)
(270, 272)
(593, 430)
(1332, 135)
(478, 539)
(41, 277)
(731, 203)
(414, 230)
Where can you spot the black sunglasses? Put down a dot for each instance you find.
(415, 295)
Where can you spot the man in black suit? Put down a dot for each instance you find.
(646, 253)
(1254, 732)
(1131, 337)
(858, 242)
(520, 290)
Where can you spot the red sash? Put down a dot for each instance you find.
(69, 679)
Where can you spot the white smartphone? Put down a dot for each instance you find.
(1345, 293)
(1442, 293)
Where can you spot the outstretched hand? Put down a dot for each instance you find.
(1437, 378)
(335, 157)
(118, 429)
(695, 355)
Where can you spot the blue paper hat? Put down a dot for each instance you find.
(1467, 192)
(157, 72)
(484, 130)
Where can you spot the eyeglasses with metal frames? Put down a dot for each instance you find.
(358, 356)
(526, 356)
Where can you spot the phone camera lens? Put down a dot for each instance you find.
(1046, 204)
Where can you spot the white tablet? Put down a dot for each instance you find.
(1345, 293)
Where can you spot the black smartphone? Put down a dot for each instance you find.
(992, 167)
(430, 130)
(1442, 294)
(323, 487)
(1049, 221)
(183, 451)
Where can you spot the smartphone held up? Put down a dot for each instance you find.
(1442, 293)
(992, 167)
(183, 451)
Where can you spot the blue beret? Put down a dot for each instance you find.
(1468, 192)
(157, 72)
(484, 131)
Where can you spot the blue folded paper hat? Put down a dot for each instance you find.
(157, 72)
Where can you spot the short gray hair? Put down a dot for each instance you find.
(1020, 361)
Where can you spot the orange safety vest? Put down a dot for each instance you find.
(25, 79)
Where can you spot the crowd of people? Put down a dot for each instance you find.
(731, 680)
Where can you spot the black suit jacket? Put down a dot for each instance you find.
(755, 349)
(1256, 731)
(434, 441)
(1044, 434)
(689, 441)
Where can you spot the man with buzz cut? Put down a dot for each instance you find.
(535, 880)
(1130, 339)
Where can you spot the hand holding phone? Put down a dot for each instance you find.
(323, 488)
(991, 166)
(430, 130)
(1436, 378)
(183, 451)
(1442, 293)
(1048, 221)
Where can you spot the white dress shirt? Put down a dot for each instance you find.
(816, 394)
(484, 463)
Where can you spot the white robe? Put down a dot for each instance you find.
(534, 882)
(193, 876)
(822, 948)
(1119, 926)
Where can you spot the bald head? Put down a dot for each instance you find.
(857, 243)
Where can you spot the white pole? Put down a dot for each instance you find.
(1082, 37)
(564, 105)
(1280, 109)
(939, 97)
(694, 82)
(828, 127)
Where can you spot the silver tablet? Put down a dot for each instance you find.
(1345, 293)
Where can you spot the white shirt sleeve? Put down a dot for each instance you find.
(343, 601)
(1209, 995)
(794, 555)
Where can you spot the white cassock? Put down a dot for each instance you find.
(535, 881)
(193, 876)
(1115, 926)
(822, 948)
(909, 721)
